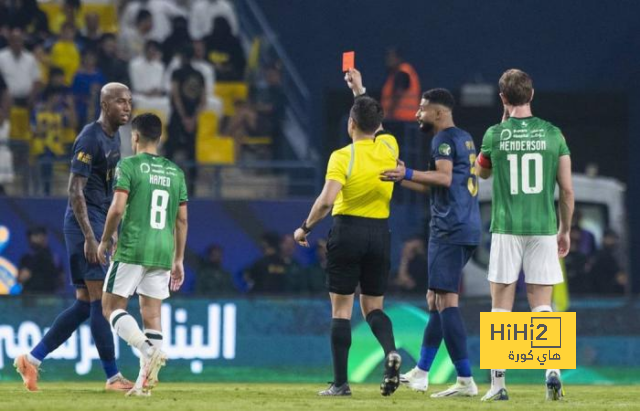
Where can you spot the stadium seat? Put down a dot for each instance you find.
(230, 92)
(257, 141)
(20, 127)
(106, 11)
(211, 148)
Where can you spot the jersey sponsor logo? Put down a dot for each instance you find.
(507, 134)
(444, 149)
(145, 168)
(84, 157)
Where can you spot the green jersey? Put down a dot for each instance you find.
(524, 154)
(156, 189)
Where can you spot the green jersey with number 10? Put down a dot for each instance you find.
(156, 189)
(524, 155)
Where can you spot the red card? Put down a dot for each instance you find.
(348, 60)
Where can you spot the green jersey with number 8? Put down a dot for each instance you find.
(524, 155)
(156, 189)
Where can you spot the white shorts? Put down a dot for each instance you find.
(537, 255)
(124, 279)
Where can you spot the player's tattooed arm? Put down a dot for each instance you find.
(110, 232)
(78, 203)
(79, 206)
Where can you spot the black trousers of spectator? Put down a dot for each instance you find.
(180, 147)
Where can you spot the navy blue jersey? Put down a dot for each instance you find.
(95, 155)
(455, 215)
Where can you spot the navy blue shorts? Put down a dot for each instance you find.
(80, 268)
(446, 262)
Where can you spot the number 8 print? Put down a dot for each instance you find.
(159, 209)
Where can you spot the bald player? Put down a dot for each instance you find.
(96, 152)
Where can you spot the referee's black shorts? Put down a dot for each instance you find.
(358, 252)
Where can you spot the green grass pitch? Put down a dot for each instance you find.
(83, 396)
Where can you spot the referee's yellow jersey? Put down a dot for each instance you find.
(358, 167)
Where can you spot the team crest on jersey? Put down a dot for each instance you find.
(145, 168)
(84, 157)
(444, 149)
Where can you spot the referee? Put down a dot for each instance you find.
(358, 247)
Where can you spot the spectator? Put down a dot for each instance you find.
(50, 120)
(413, 269)
(188, 99)
(294, 274)
(243, 124)
(86, 88)
(204, 12)
(178, 38)
(315, 273)
(40, 269)
(90, 36)
(113, 68)
(225, 52)
(5, 18)
(56, 79)
(161, 10)
(43, 58)
(268, 100)
(26, 15)
(401, 91)
(200, 63)
(71, 14)
(607, 275)
(5, 101)
(147, 71)
(576, 266)
(131, 42)
(268, 273)
(6, 157)
(65, 53)
(586, 239)
(20, 71)
(147, 75)
(212, 278)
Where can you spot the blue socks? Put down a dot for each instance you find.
(64, 325)
(455, 338)
(430, 341)
(103, 338)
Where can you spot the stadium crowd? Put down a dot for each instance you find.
(187, 61)
(183, 60)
